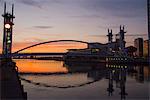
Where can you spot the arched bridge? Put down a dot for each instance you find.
(34, 45)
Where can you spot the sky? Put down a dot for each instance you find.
(87, 20)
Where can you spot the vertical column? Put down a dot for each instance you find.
(121, 39)
(7, 35)
(110, 35)
(4, 35)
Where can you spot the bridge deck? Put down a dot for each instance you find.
(10, 84)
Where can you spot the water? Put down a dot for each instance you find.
(56, 80)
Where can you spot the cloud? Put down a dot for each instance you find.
(108, 27)
(33, 39)
(43, 27)
(1, 1)
(39, 3)
(88, 16)
(34, 3)
(117, 8)
(9, 2)
(97, 36)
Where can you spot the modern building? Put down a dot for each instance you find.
(148, 18)
(138, 43)
(145, 48)
(111, 49)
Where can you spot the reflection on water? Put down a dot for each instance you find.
(38, 66)
(112, 82)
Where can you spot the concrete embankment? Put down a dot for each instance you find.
(10, 84)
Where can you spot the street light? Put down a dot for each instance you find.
(7, 26)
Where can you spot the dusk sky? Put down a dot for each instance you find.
(87, 20)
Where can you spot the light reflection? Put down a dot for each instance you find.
(32, 66)
(114, 79)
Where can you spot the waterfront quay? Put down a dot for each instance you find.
(10, 84)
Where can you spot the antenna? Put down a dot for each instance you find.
(4, 8)
(120, 27)
(12, 11)
(123, 27)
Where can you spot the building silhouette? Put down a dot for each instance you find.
(111, 48)
(138, 43)
(148, 17)
(145, 48)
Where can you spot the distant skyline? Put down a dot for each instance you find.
(86, 20)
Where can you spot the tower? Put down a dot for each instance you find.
(110, 35)
(7, 32)
(121, 38)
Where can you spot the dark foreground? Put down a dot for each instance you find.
(10, 84)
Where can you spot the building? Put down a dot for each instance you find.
(99, 50)
(138, 43)
(145, 48)
(148, 18)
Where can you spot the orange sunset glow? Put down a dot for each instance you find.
(50, 47)
(55, 47)
(29, 66)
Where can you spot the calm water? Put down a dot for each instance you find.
(56, 80)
